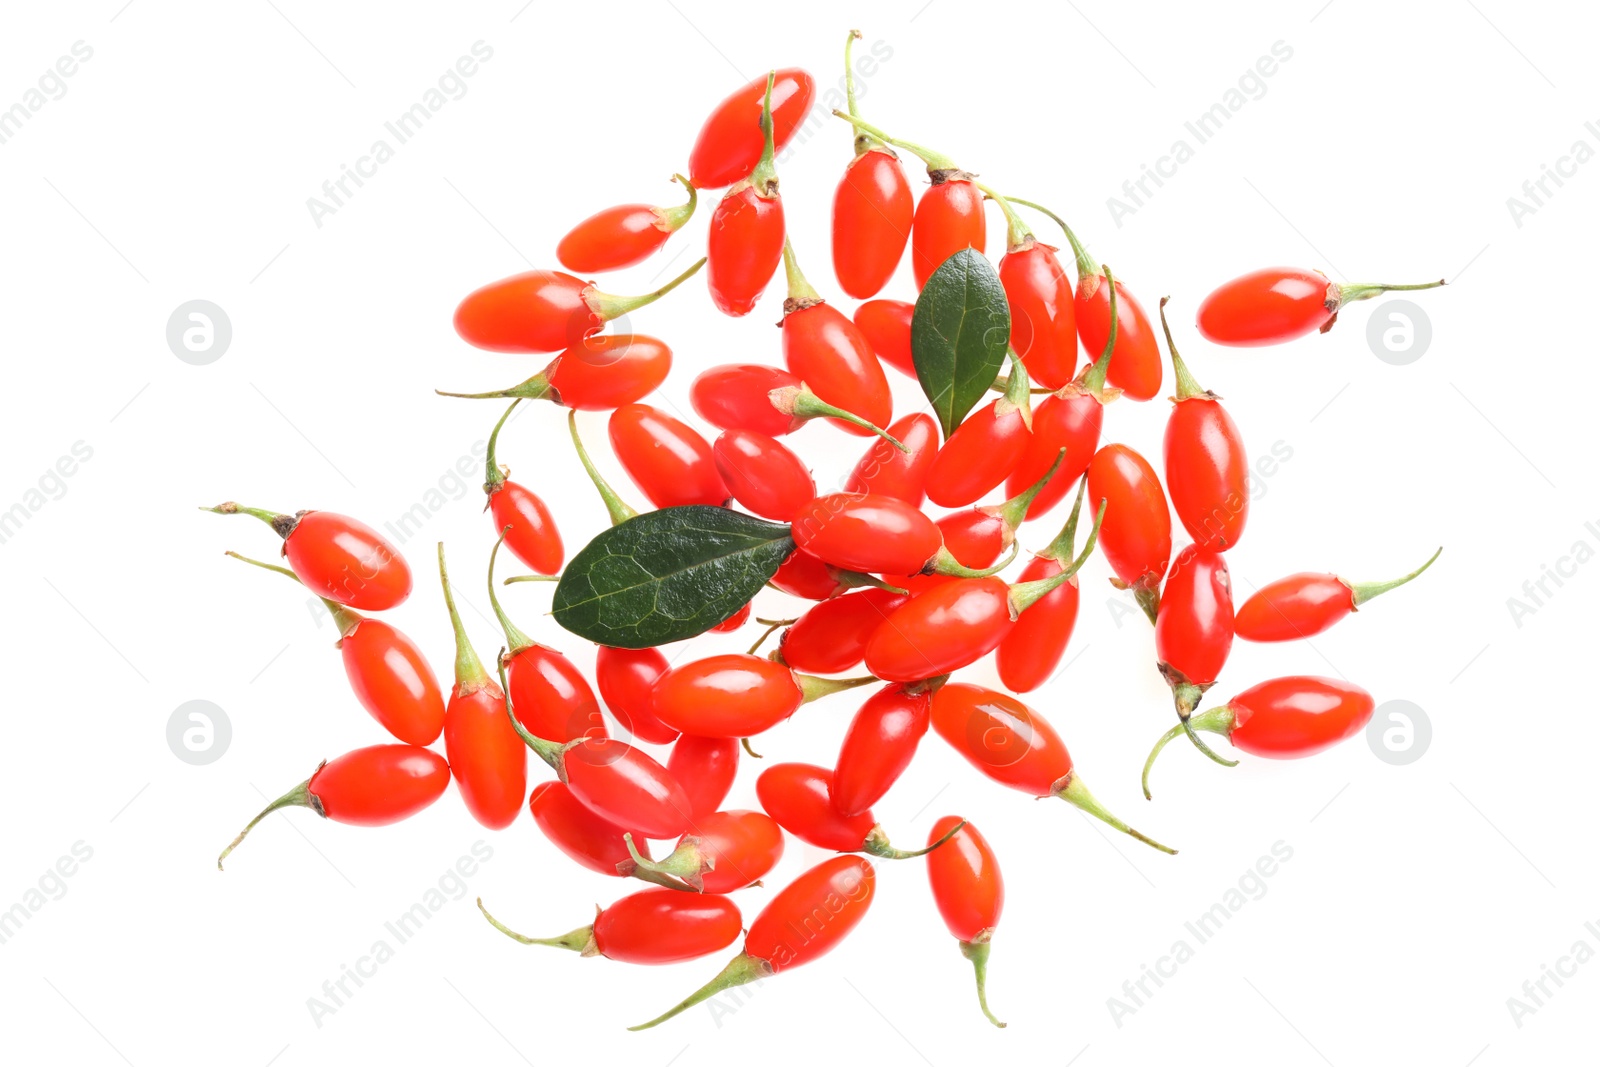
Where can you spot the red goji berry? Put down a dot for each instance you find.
(624, 235)
(1278, 304)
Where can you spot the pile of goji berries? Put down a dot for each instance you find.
(909, 598)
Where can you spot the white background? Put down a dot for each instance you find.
(177, 166)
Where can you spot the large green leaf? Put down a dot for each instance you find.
(959, 334)
(668, 575)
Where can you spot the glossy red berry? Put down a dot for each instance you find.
(886, 324)
(1043, 320)
(807, 577)
(726, 850)
(1014, 745)
(582, 836)
(372, 786)
(746, 239)
(796, 795)
(735, 695)
(762, 475)
(520, 515)
(832, 637)
(1194, 625)
(872, 213)
(1305, 604)
(831, 356)
(980, 454)
(653, 926)
(337, 557)
(969, 893)
(1070, 419)
(622, 236)
(706, 768)
(1278, 304)
(949, 218)
(1136, 538)
(730, 143)
(941, 630)
(1208, 473)
(878, 746)
(867, 532)
(625, 677)
(887, 471)
(668, 460)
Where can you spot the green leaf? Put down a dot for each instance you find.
(668, 575)
(959, 333)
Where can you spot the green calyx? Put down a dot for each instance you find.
(683, 870)
(672, 219)
(619, 510)
(493, 476)
(470, 675)
(344, 618)
(945, 562)
(977, 950)
(1188, 388)
(580, 940)
(1017, 392)
(1185, 698)
(1361, 592)
(283, 525)
(764, 179)
(877, 844)
(801, 402)
(801, 292)
(1012, 513)
(608, 306)
(741, 970)
(1093, 380)
(1072, 790)
(1025, 595)
(298, 797)
(1084, 261)
(536, 388)
(937, 162)
(1218, 720)
(1018, 235)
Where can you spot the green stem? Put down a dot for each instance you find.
(1018, 390)
(514, 579)
(282, 524)
(470, 675)
(936, 161)
(801, 292)
(978, 953)
(1094, 379)
(580, 940)
(1025, 595)
(772, 626)
(800, 401)
(741, 970)
(946, 563)
(1349, 294)
(1188, 388)
(1073, 791)
(516, 640)
(864, 142)
(298, 797)
(857, 580)
(493, 476)
(1018, 235)
(1218, 720)
(672, 219)
(1361, 592)
(877, 844)
(1014, 511)
(1085, 262)
(619, 510)
(549, 751)
(764, 178)
(343, 618)
(536, 388)
(814, 688)
(744, 742)
(608, 305)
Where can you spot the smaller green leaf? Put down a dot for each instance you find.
(668, 575)
(959, 334)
